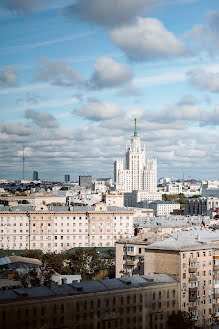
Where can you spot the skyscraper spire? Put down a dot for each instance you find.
(135, 131)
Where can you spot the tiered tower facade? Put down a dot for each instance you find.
(136, 176)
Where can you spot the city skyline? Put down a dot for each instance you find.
(72, 82)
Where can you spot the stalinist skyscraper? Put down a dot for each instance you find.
(136, 176)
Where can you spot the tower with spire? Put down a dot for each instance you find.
(137, 176)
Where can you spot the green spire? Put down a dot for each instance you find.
(135, 131)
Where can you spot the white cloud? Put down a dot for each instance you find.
(206, 36)
(147, 39)
(99, 111)
(109, 73)
(41, 119)
(58, 73)
(204, 80)
(113, 12)
(8, 76)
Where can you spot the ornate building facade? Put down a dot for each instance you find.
(137, 175)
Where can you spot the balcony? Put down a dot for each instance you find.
(216, 267)
(130, 252)
(193, 289)
(193, 298)
(193, 278)
(130, 262)
(216, 294)
(192, 269)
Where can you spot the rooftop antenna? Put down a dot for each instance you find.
(23, 161)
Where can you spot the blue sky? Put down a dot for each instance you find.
(75, 74)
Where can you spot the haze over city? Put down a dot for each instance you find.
(75, 74)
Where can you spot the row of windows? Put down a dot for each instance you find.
(197, 254)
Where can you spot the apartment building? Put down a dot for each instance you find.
(115, 199)
(61, 229)
(127, 303)
(193, 261)
(191, 257)
(130, 254)
(163, 208)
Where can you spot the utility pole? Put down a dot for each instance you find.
(23, 161)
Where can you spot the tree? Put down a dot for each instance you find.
(88, 263)
(181, 320)
(33, 254)
(55, 262)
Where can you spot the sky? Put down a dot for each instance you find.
(75, 74)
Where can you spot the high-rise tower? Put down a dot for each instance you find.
(136, 176)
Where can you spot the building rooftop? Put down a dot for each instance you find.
(85, 287)
(188, 240)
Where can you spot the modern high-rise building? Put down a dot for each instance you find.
(67, 178)
(137, 175)
(85, 180)
(35, 175)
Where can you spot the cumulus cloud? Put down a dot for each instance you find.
(109, 73)
(113, 12)
(97, 111)
(12, 128)
(206, 36)
(22, 6)
(188, 112)
(147, 39)
(204, 80)
(58, 73)
(91, 147)
(8, 76)
(41, 119)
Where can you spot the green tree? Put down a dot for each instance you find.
(33, 254)
(87, 262)
(55, 262)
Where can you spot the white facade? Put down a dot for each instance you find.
(136, 175)
(163, 208)
(52, 231)
(174, 188)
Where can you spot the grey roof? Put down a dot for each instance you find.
(85, 287)
(188, 240)
(4, 261)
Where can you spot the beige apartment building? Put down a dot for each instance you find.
(61, 229)
(193, 263)
(130, 254)
(128, 303)
(190, 257)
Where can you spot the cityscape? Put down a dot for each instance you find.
(109, 186)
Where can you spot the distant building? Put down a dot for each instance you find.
(67, 178)
(136, 175)
(201, 206)
(61, 229)
(35, 175)
(163, 208)
(85, 180)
